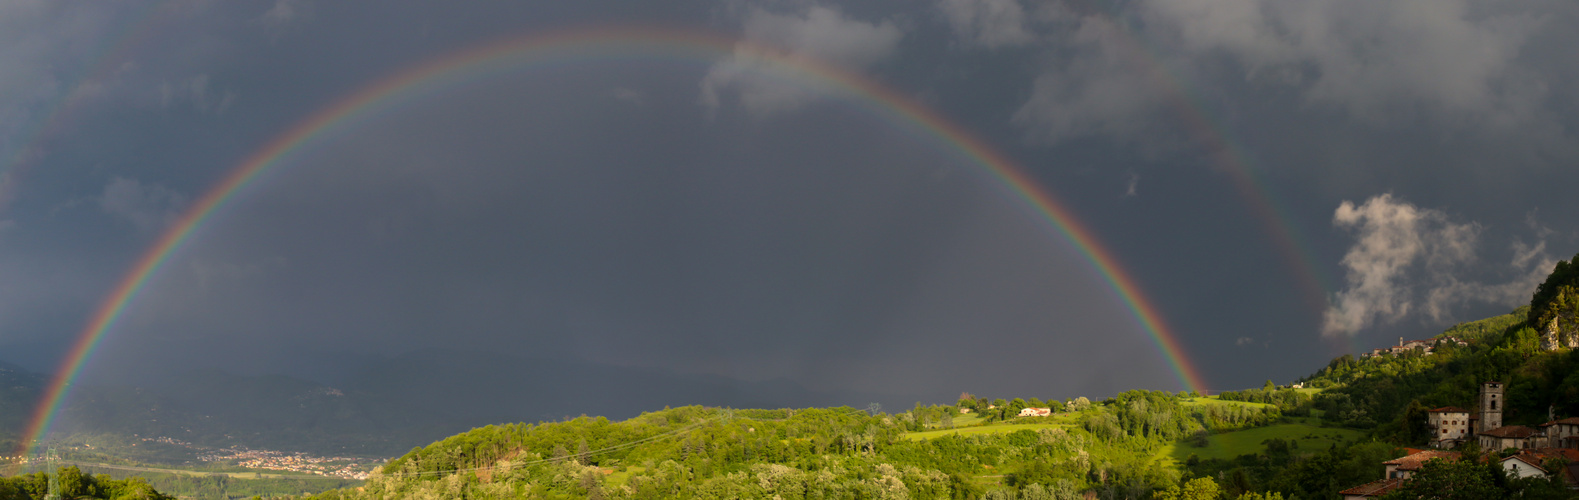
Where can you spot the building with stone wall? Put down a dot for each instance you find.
(1449, 426)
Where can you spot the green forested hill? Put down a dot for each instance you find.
(1117, 447)
(1388, 391)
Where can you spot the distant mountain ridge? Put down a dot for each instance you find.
(389, 405)
(19, 390)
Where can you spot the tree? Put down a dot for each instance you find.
(1014, 407)
(72, 483)
(1201, 488)
(1416, 425)
(37, 484)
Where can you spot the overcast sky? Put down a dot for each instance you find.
(1287, 181)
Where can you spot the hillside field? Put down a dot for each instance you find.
(1309, 436)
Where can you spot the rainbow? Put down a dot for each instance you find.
(620, 43)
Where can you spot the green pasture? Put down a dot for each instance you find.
(621, 477)
(1046, 423)
(1309, 437)
(967, 419)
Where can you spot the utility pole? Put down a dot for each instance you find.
(54, 473)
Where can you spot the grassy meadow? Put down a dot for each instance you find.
(1309, 436)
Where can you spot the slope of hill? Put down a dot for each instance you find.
(1489, 329)
(700, 452)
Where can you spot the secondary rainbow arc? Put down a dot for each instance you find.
(1205, 129)
(105, 61)
(482, 60)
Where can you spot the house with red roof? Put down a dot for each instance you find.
(1036, 412)
(1405, 467)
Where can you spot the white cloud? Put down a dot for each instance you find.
(1134, 182)
(812, 32)
(149, 207)
(1409, 260)
(987, 23)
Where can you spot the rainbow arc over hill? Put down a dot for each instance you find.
(620, 43)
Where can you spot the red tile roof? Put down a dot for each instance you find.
(1447, 409)
(1374, 488)
(1413, 460)
(1510, 431)
(1541, 454)
(1566, 421)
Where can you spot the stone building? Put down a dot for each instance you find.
(1512, 436)
(1449, 426)
(1491, 403)
(1562, 433)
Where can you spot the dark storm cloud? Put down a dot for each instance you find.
(1456, 106)
(717, 218)
(763, 259)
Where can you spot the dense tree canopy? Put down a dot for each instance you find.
(72, 483)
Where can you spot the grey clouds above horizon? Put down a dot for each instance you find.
(711, 218)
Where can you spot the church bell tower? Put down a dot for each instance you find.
(1491, 404)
